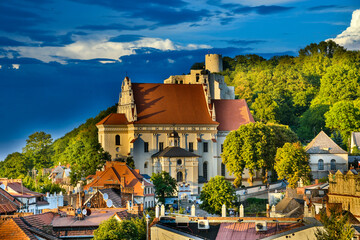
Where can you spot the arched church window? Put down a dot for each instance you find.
(321, 164)
(205, 170)
(117, 140)
(333, 164)
(179, 177)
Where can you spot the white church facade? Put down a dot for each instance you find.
(178, 126)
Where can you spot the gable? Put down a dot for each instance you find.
(323, 144)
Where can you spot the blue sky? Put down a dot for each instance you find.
(62, 62)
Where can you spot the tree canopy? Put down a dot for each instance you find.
(292, 164)
(253, 147)
(215, 193)
(165, 185)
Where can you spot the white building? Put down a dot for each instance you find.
(325, 156)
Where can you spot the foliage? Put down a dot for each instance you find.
(215, 193)
(292, 163)
(165, 185)
(132, 229)
(253, 146)
(15, 165)
(37, 150)
(343, 116)
(336, 226)
(255, 206)
(129, 161)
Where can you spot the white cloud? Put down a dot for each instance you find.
(91, 49)
(16, 66)
(253, 3)
(350, 38)
(171, 60)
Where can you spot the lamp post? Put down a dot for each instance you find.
(147, 226)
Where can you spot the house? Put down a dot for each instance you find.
(30, 201)
(325, 156)
(344, 189)
(61, 175)
(8, 204)
(355, 142)
(120, 176)
(199, 108)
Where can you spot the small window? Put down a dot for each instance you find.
(179, 177)
(118, 149)
(161, 146)
(146, 147)
(205, 170)
(222, 169)
(222, 147)
(181, 82)
(191, 146)
(321, 164)
(197, 77)
(117, 140)
(333, 164)
(146, 165)
(179, 162)
(205, 145)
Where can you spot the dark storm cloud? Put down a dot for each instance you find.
(7, 42)
(323, 7)
(126, 38)
(113, 26)
(262, 10)
(10, 61)
(244, 42)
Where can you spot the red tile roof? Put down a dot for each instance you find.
(171, 104)
(8, 204)
(15, 229)
(39, 220)
(114, 119)
(16, 189)
(231, 114)
(113, 173)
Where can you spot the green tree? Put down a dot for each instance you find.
(215, 193)
(344, 116)
(112, 229)
(15, 165)
(85, 156)
(336, 226)
(37, 150)
(165, 185)
(253, 146)
(266, 109)
(292, 163)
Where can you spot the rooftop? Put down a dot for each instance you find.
(323, 144)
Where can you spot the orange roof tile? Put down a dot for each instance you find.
(232, 113)
(15, 229)
(170, 104)
(114, 119)
(112, 175)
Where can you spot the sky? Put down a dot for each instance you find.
(62, 62)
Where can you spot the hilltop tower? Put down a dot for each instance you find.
(213, 63)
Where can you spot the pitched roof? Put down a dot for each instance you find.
(113, 173)
(114, 119)
(174, 152)
(39, 220)
(232, 113)
(8, 203)
(171, 104)
(17, 189)
(323, 144)
(113, 195)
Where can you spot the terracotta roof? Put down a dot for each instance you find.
(39, 220)
(8, 204)
(16, 189)
(126, 215)
(323, 144)
(114, 119)
(7, 208)
(171, 104)
(174, 152)
(231, 114)
(112, 175)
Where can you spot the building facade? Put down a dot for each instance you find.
(199, 107)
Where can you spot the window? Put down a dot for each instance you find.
(161, 146)
(197, 77)
(179, 177)
(118, 149)
(321, 164)
(145, 165)
(181, 82)
(146, 147)
(117, 140)
(222, 147)
(205, 170)
(333, 164)
(222, 169)
(205, 145)
(179, 162)
(191, 146)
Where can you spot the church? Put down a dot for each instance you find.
(178, 126)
